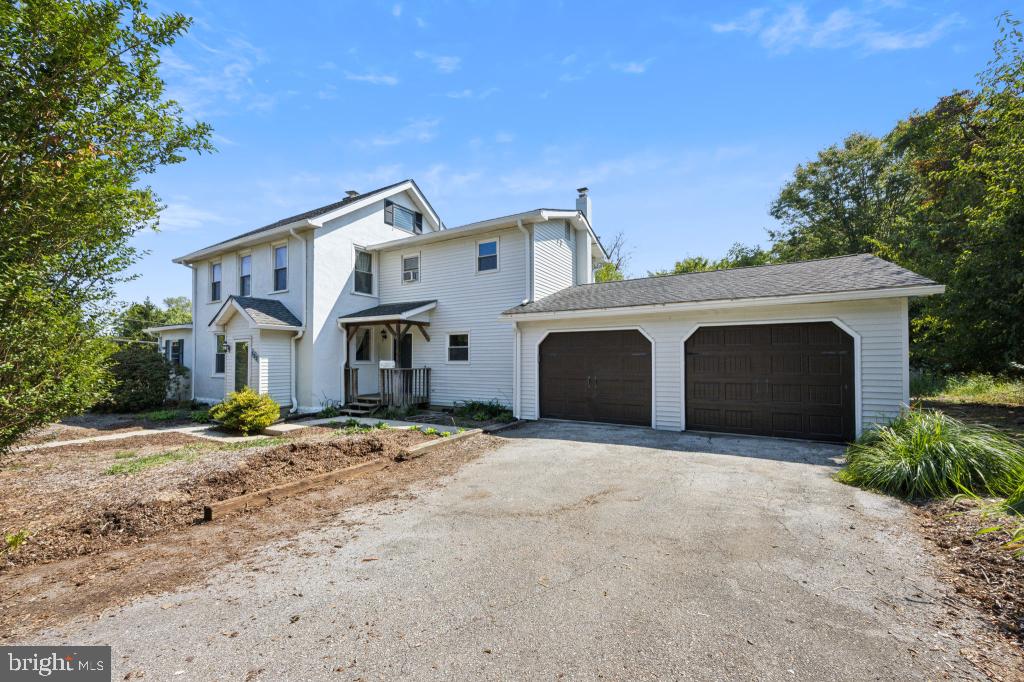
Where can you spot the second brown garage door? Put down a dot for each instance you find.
(596, 376)
(787, 380)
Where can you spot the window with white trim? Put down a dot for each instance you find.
(458, 348)
(410, 269)
(245, 275)
(174, 351)
(281, 267)
(364, 346)
(364, 272)
(487, 255)
(215, 281)
(402, 217)
(220, 349)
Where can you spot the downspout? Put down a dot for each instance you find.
(515, 370)
(299, 334)
(195, 330)
(528, 265)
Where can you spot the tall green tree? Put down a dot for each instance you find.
(738, 256)
(83, 119)
(138, 316)
(851, 199)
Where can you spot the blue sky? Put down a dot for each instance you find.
(684, 119)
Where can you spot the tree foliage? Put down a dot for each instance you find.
(82, 121)
(738, 256)
(136, 317)
(141, 378)
(619, 254)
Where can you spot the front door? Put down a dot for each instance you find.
(241, 364)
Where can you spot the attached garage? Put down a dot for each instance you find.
(817, 350)
(596, 376)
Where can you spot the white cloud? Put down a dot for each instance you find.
(181, 216)
(468, 93)
(372, 77)
(792, 28)
(504, 138)
(328, 66)
(421, 130)
(396, 11)
(443, 63)
(421, 23)
(634, 68)
(206, 80)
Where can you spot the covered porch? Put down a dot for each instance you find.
(379, 364)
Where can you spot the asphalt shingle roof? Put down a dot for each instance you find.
(388, 309)
(311, 213)
(862, 272)
(265, 311)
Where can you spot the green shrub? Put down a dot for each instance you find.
(484, 411)
(141, 376)
(430, 431)
(925, 453)
(246, 411)
(200, 416)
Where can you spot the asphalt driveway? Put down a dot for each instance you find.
(576, 550)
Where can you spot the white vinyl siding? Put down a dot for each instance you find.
(467, 309)
(880, 324)
(275, 366)
(553, 258)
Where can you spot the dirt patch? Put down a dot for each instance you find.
(1006, 418)
(983, 573)
(92, 497)
(45, 595)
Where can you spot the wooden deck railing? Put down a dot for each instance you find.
(402, 387)
(351, 384)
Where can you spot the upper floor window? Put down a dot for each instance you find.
(403, 218)
(281, 267)
(245, 276)
(363, 347)
(214, 281)
(218, 357)
(487, 255)
(364, 272)
(411, 268)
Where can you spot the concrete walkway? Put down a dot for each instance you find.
(577, 550)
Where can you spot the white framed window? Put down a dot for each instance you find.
(280, 256)
(245, 275)
(215, 281)
(363, 283)
(364, 346)
(411, 268)
(221, 347)
(487, 255)
(402, 217)
(458, 347)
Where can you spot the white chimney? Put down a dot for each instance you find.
(583, 204)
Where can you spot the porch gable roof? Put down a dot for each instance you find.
(388, 312)
(261, 313)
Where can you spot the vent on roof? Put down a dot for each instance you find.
(351, 193)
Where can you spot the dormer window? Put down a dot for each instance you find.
(403, 218)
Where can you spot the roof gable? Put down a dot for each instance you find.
(264, 313)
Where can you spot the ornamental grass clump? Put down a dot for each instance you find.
(927, 454)
(246, 411)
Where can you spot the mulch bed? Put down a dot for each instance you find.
(72, 508)
(982, 572)
(1007, 418)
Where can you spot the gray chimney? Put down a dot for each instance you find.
(351, 193)
(583, 204)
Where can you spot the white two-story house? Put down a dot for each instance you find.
(373, 300)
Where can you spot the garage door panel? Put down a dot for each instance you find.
(596, 376)
(792, 380)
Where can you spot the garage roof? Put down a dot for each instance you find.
(829, 276)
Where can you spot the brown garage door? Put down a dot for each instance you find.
(596, 376)
(787, 380)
